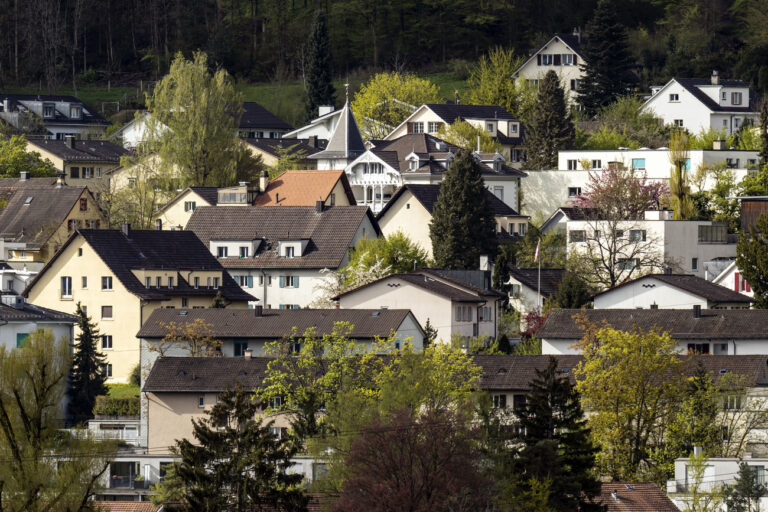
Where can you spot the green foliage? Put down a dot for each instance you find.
(110, 406)
(500, 272)
(463, 225)
(396, 253)
(319, 72)
(608, 138)
(724, 209)
(550, 128)
(490, 84)
(551, 251)
(706, 138)
(430, 334)
(752, 259)
(125, 390)
(627, 120)
(219, 301)
(573, 292)
(32, 385)
(15, 159)
(679, 188)
(135, 377)
(87, 377)
(704, 496)
(530, 346)
(288, 158)
(744, 495)
(149, 187)
(235, 462)
(464, 135)
(387, 99)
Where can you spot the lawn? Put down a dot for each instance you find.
(123, 390)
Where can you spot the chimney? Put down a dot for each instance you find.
(258, 310)
(615, 495)
(23, 175)
(696, 311)
(69, 140)
(126, 229)
(313, 141)
(324, 109)
(718, 144)
(319, 206)
(60, 179)
(263, 181)
(654, 306)
(485, 262)
(6, 105)
(697, 451)
(715, 77)
(577, 33)
(247, 353)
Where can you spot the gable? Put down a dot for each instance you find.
(556, 44)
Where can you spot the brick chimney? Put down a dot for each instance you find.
(263, 181)
(715, 77)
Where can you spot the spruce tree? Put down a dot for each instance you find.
(556, 443)
(550, 128)
(463, 225)
(87, 374)
(606, 60)
(319, 71)
(764, 135)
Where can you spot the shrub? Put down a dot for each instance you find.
(108, 406)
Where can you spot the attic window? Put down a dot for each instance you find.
(375, 313)
(566, 371)
(181, 372)
(182, 313)
(242, 372)
(629, 487)
(723, 371)
(502, 370)
(28, 200)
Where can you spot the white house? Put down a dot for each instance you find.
(321, 127)
(455, 302)
(732, 278)
(700, 104)
(715, 473)
(60, 115)
(278, 254)
(344, 145)
(13, 279)
(561, 54)
(670, 291)
(530, 287)
(18, 318)
(697, 330)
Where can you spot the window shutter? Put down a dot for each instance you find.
(503, 401)
(282, 281)
(736, 282)
(250, 281)
(557, 59)
(749, 289)
(575, 59)
(409, 127)
(538, 59)
(295, 281)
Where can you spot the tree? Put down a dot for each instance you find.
(135, 196)
(464, 135)
(236, 463)
(620, 192)
(679, 190)
(556, 443)
(15, 159)
(550, 128)
(704, 496)
(418, 462)
(396, 252)
(500, 272)
(606, 59)
(572, 292)
(462, 226)
(551, 249)
(629, 382)
(744, 495)
(219, 301)
(288, 158)
(33, 382)
(191, 339)
(194, 117)
(763, 134)
(490, 84)
(319, 70)
(87, 375)
(752, 259)
(387, 99)
(430, 334)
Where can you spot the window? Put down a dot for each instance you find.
(736, 98)
(499, 192)
(244, 252)
(240, 347)
(108, 370)
(83, 204)
(637, 235)
(215, 283)
(275, 402)
(499, 401)
(106, 312)
(106, 342)
(289, 281)
(106, 283)
(484, 314)
(575, 84)
(131, 182)
(75, 111)
(80, 251)
(184, 302)
(573, 165)
(627, 263)
(158, 282)
(521, 228)
(567, 59)
(21, 339)
(638, 163)
(49, 110)
(513, 128)
(597, 164)
(74, 172)
(189, 206)
(694, 264)
(674, 97)
(94, 224)
(290, 252)
(66, 287)
(201, 401)
(87, 172)
(433, 126)
(489, 127)
(463, 313)
(618, 233)
(221, 252)
(715, 233)
(418, 127)
(170, 282)
(147, 282)
(574, 191)
(84, 282)
(546, 60)
(698, 348)
(577, 236)
(678, 123)
(687, 164)
(732, 403)
(196, 282)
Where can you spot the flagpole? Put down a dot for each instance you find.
(539, 283)
(537, 257)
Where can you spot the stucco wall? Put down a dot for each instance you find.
(409, 216)
(174, 215)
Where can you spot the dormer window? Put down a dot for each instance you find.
(49, 110)
(735, 98)
(290, 252)
(512, 127)
(497, 165)
(75, 111)
(414, 164)
(489, 127)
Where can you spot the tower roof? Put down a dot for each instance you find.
(346, 141)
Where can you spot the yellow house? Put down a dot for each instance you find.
(121, 276)
(36, 222)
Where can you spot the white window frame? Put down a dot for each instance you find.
(418, 127)
(736, 98)
(106, 282)
(66, 287)
(674, 98)
(546, 59)
(572, 164)
(106, 342)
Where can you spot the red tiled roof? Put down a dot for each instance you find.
(635, 497)
(125, 506)
(303, 188)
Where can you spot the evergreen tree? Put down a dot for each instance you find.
(550, 128)
(752, 259)
(744, 495)
(236, 463)
(319, 71)
(763, 134)
(556, 443)
(572, 292)
(430, 334)
(463, 226)
(87, 375)
(219, 301)
(607, 59)
(501, 272)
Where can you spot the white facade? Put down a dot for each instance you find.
(18, 321)
(567, 65)
(372, 180)
(732, 279)
(716, 473)
(321, 127)
(716, 346)
(13, 280)
(60, 116)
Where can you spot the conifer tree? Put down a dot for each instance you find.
(607, 59)
(463, 226)
(87, 374)
(550, 128)
(763, 135)
(556, 443)
(319, 71)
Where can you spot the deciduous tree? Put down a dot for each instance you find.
(15, 159)
(395, 252)
(464, 135)
(490, 83)
(550, 128)
(679, 189)
(87, 375)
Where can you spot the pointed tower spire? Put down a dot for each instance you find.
(346, 141)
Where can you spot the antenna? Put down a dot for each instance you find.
(346, 90)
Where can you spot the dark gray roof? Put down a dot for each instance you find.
(90, 116)
(575, 213)
(257, 117)
(346, 141)
(32, 313)
(272, 146)
(83, 150)
(692, 85)
(330, 233)
(693, 284)
(196, 374)
(33, 214)
(572, 41)
(714, 323)
(427, 196)
(210, 194)
(10, 185)
(449, 112)
(550, 278)
(274, 324)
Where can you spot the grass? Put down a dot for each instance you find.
(123, 390)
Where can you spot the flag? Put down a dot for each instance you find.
(538, 246)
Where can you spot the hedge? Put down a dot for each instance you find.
(108, 406)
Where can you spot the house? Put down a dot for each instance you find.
(697, 330)
(410, 212)
(670, 291)
(561, 54)
(420, 158)
(344, 145)
(634, 497)
(85, 163)
(732, 278)
(751, 210)
(18, 318)
(36, 222)
(13, 279)
(306, 187)
(321, 127)
(10, 185)
(701, 104)
(279, 254)
(653, 243)
(258, 123)
(529, 288)
(504, 128)
(454, 302)
(271, 150)
(121, 276)
(56, 116)
(175, 214)
(559, 220)
(716, 472)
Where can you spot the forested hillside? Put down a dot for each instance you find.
(50, 43)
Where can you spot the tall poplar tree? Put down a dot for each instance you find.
(463, 226)
(607, 59)
(550, 128)
(87, 375)
(319, 72)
